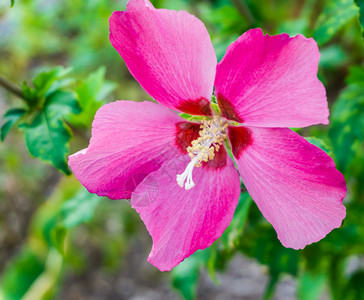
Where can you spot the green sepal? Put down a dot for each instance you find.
(193, 118)
(215, 108)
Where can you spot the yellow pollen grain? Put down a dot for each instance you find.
(211, 136)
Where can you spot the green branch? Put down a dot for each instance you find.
(6, 84)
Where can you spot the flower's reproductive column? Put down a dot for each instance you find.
(212, 135)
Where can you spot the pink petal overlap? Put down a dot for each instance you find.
(179, 221)
(271, 81)
(169, 53)
(294, 183)
(129, 140)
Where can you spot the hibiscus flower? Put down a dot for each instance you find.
(177, 172)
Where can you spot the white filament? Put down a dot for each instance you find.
(203, 149)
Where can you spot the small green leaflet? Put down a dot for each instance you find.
(335, 15)
(12, 2)
(44, 83)
(47, 137)
(91, 92)
(11, 117)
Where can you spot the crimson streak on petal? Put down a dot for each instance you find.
(186, 132)
(200, 107)
(240, 138)
(227, 109)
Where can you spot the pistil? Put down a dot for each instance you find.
(212, 135)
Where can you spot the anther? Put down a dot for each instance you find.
(212, 134)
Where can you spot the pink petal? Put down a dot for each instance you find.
(294, 183)
(169, 53)
(129, 140)
(138, 4)
(271, 81)
(179, 221)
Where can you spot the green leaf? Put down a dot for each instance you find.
(11, 117)
(260, 242)
(311, 285)
(62, 104)
(186, 275)
(336, 14)
(356, 76)
(333, 57)
(57, 238)
(347, 119)
(20, 275)
(89, 88)
(44, 80)
(77, 210)
(47, 137)
(231, 235)
(29, 92)
(12, 2)
(354, 290)
(91, 92)
(360, 4)
(294, 27)
(45, 286)
(45, 83)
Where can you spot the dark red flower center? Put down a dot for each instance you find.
(227, 109)
(199, 107)
(240, 138)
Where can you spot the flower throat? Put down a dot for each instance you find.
(212, 135)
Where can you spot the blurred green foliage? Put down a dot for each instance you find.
(56, 104)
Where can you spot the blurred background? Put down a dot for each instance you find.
(57, 241)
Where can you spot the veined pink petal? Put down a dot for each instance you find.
(169, 53)
(271, 81)
(179, 221)
(129, 140)
(294, 183)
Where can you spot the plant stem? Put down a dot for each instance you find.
(6, 84)
(244, 10)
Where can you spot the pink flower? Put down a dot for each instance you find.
(149, 154)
